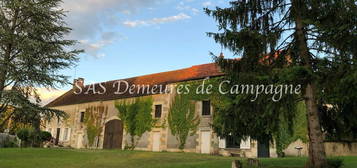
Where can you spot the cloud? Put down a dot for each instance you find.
(155, 21)
(94, 47)
(207, 3)
(91, 19)
(183, 7)
(48, 95)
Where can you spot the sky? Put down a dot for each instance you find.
(128, 38)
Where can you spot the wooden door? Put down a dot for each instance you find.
(206, 142)
(113, 135)
(263, 148)
(156, 141)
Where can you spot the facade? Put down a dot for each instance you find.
(71, 132)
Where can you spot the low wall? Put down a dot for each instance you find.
(341, 149)
(331, 148)
(6, 137)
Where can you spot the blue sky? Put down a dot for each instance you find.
(126, 39)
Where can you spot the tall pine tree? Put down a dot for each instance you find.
(287, 42)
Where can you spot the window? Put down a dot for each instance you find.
(82, 117)
(232, 142)
(158, 110)
(221, 142)
(206, 107)
(245, 144)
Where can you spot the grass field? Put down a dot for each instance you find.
(66, 158)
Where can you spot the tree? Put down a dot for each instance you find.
(182, 119)
(136, 117)
(32, 51)
(290, 42)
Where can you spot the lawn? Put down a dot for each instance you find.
(66, 158)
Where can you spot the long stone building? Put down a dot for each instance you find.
(72, 130)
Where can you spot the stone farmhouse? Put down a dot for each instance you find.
(71, 132)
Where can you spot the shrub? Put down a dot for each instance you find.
(29, 136)
(335, 162)
(45, 136)
(24, 136)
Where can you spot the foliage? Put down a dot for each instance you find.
(339, 115)
(182, 119)
(24, 135)
(283, 42)
(136, 117)
(30, 137)
(94, 120)
(32, 52)
(259, 119)
(335, 162)
(284, 137)
(45, 136)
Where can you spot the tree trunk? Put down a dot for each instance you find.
(36, 141)
(317, 156)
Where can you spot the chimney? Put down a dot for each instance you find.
(79, 82)
(221, 55)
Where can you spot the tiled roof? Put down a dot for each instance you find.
(163, 78)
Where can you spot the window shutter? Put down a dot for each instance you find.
(69, 134)
(221, 143)
(245, 144)
(65, 134)
(61, 134)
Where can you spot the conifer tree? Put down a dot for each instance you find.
(287, 42)
(33, 49)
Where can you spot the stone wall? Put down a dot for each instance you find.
(168, 142)
(6, 138)
(331, 149)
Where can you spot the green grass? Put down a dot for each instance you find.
(67, 158)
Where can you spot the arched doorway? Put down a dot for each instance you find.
(113, 134)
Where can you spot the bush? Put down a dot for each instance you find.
(24, 135)
(29, 137)
(45, 136)
(335, 163)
